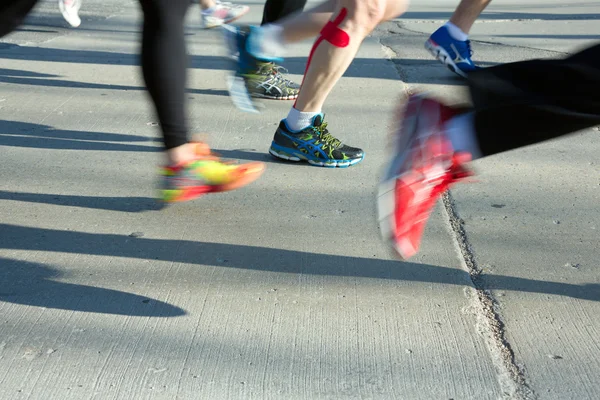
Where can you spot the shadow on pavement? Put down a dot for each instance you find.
(21, 73)
(253, 155)
(266, 259)
(34, 30)
(25, 134)
(17, 77)
(122, 204)
(360, 67)
(33, 284)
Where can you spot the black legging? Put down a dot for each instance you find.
(527, 102)
(164, 64)
(276, 9)
(12, 14)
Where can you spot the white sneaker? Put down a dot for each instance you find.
(70, 11)
(222, 13)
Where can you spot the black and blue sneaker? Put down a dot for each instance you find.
(454, 54)
(313, 144)
(255, 76)
(267, 82)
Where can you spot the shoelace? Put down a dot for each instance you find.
(275, 71)
(266, 69)
(327, 137)
(269, 84)
(274, 77)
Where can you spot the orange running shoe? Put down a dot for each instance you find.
(206, 174)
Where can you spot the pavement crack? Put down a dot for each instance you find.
(511, 376)
(391, 56)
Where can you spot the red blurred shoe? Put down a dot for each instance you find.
(423, 167)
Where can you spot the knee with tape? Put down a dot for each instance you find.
(332, 33)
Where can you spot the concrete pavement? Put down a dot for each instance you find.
(283, 289)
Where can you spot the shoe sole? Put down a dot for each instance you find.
(442, 55)
(181, 195)
(262, 96)
(241, 98)
(410, 129)
(297, 157)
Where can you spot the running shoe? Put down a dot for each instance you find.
(267, 82)
(315, 145)
(222, 13)
(70, 11)
(246, 84)
(454, 54)
(423, 167)
(206, 174)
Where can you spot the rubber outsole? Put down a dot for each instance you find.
(298, 157)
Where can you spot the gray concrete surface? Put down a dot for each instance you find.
(283, 289)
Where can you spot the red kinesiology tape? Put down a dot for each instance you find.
(331, 33)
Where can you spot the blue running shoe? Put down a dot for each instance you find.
(256, 75)
(315, 145)
(454, 54)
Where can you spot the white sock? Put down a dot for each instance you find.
(209, 10)
(268, 41)
(456, 32)
(298, 120)
(461, 131)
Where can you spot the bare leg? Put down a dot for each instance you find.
(467, 13)
(307, 24)
(329, 61)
